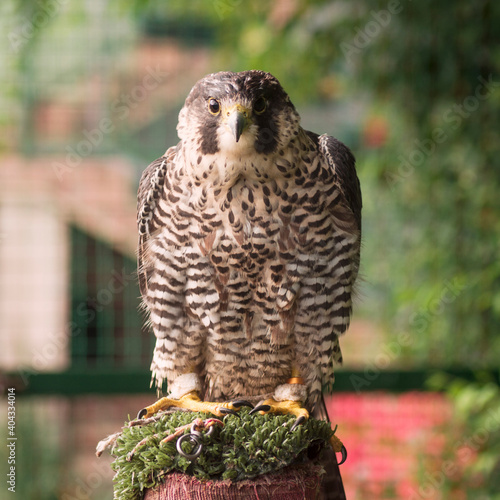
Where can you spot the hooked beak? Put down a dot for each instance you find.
(236, 118)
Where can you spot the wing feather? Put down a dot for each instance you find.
(151, 189)
(343, 164)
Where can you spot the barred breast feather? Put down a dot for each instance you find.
(249, 278)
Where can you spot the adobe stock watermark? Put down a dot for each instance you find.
(363, 37)
(419, 322)
(85, 487)
(225, 7)
(389, 352)
(11, 439)
(464, 450)
(452, 119)
(86, 312)
(121, 107)
(30, 27)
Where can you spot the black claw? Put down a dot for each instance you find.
(300, 420)
(241, 402)
(344, 455)
(228, 411)
(260, 408)
(143, 412)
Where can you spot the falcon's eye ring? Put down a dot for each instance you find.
(213, 106)
(260, 105)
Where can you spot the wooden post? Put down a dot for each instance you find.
(297, 482)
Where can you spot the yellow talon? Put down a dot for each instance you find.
(191, 401)
(283, 408)
(336, 444)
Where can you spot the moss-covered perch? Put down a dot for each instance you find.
(234, 450)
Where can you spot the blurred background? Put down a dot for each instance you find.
(90, 93)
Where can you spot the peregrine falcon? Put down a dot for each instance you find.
(249, 246)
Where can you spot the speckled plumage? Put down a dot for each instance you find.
(248, 249)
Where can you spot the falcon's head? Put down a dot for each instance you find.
(237, 116)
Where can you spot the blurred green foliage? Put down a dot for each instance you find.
(35, 454)
(470, 465)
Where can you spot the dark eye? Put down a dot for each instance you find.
(260, 105)
(214, 106)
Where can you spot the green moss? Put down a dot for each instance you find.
(247, 446)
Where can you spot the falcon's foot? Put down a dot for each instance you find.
(192, 402)
(338, 447)
(287, 407)
(184, 394)
(287, 401)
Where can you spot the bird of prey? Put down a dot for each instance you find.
(249, 245)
